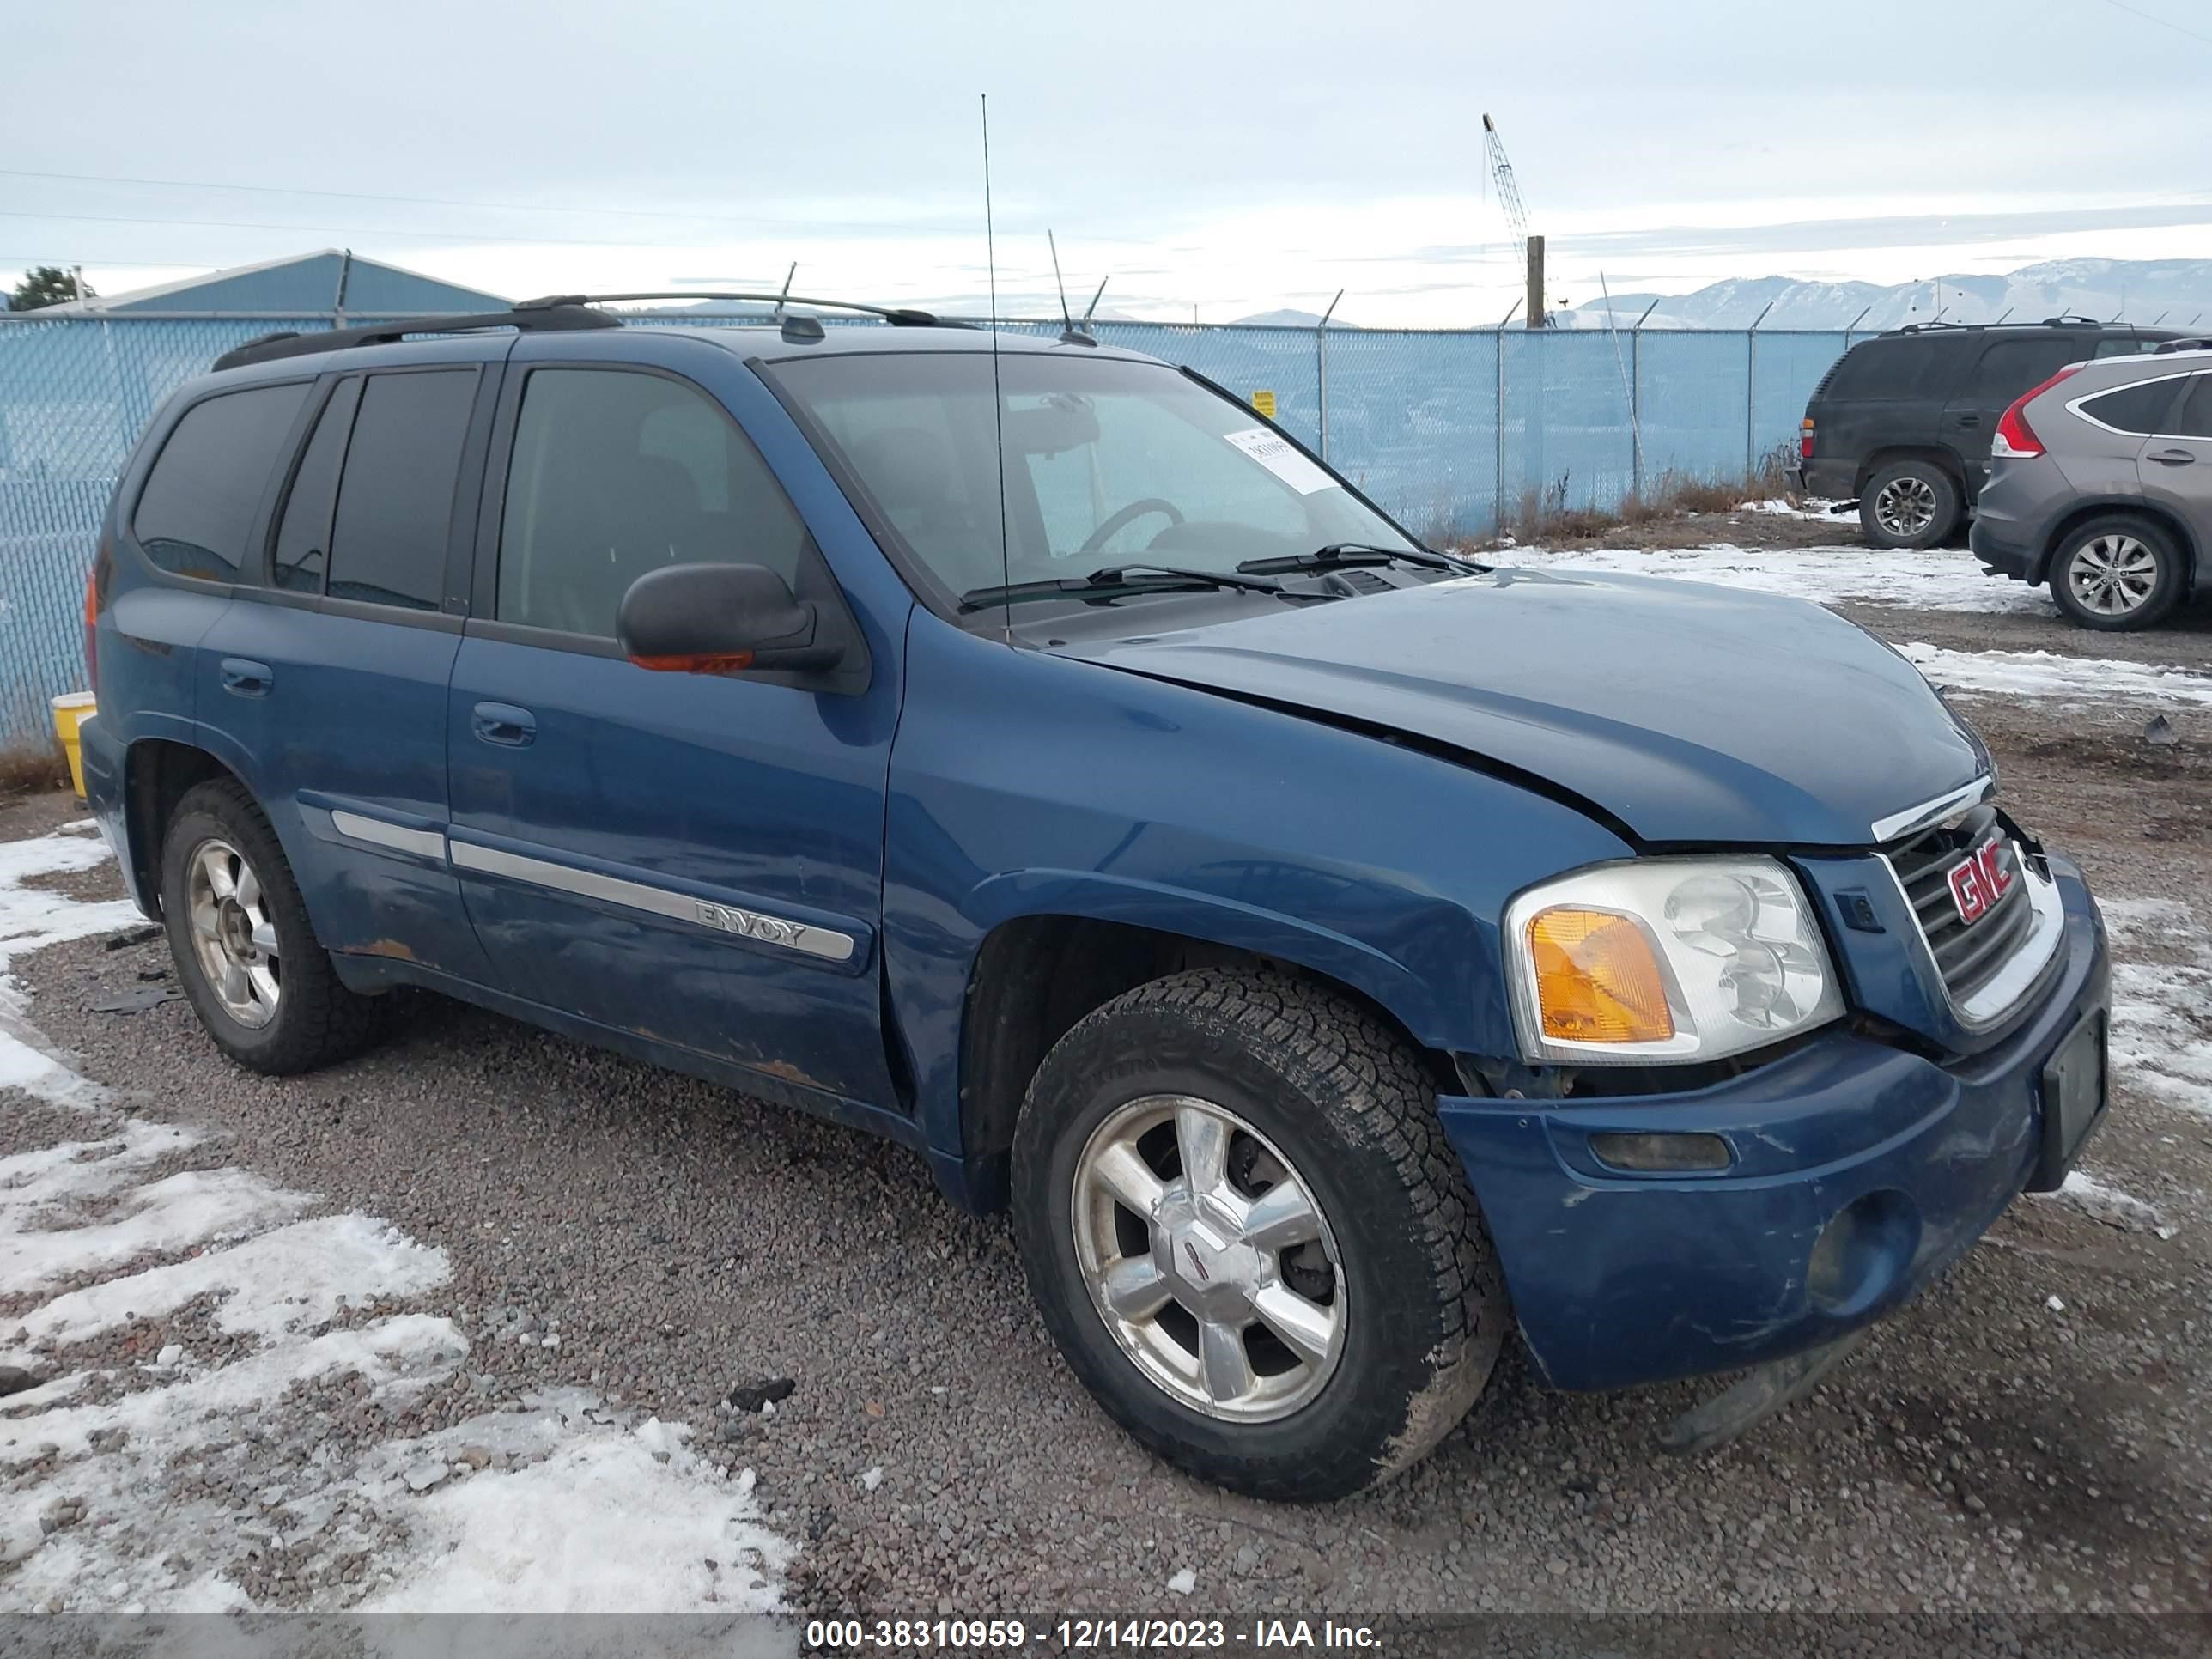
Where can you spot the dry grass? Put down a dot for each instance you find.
(30, 769)
(1544, 514)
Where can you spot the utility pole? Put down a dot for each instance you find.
(1536, 319)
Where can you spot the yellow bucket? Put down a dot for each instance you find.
(71, 710)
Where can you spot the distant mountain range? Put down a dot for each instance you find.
(2135, 290)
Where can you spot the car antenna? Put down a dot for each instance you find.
(785, 292)
(1069, 334)
(998, 408)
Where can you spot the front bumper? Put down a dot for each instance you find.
(1902, 1161)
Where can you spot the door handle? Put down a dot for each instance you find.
(1969, 420)
(247, 679)
(2174, 457)
(504, 724)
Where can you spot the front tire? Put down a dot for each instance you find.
(1909, 504)
(2116, 574)
(1247, 1233)
(245, 956)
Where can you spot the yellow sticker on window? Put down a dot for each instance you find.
(1265, 403)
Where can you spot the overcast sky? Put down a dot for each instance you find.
(1225, 157)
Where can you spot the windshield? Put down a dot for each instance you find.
(1107, 461)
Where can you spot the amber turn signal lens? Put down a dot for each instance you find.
(1598, 979)
(732, 663)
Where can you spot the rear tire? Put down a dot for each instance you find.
(2117, 573)
(1911, 503)
(245, 956)
(1378, 1310)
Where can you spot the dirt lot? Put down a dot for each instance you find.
(2031, 1434)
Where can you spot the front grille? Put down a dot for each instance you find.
(1968, 955)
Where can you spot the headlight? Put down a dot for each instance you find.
(1666, 959)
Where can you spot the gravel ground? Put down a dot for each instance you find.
(2030, 1435)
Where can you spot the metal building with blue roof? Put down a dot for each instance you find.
(329, 280)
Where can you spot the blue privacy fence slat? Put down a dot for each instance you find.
(1450, 431)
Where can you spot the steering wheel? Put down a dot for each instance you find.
(1127, 516)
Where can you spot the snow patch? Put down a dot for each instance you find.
(2109, 1204)
(609, 1521)
(2161, 1036)
(191, 1208)
(1826, 575)
(32, 918)
(282, 1281)
(565, 1506)
(2071, 682)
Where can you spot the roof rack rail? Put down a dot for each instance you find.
(2068, 320)
(2186, 343)
(896, 316)
(1921, 328)
(290, 343)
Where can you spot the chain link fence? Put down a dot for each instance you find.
(1451, 431)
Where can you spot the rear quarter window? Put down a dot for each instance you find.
(196, 510)
(2139, 408)
(1895, 368)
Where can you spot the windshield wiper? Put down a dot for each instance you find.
(1339, 553)
(1139, 578)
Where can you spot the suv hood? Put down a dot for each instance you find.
(1689, 713)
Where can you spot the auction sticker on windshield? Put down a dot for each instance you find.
(1281, 457)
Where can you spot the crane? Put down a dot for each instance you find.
(1531, 251)
(1509, 194)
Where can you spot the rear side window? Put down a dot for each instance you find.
(1896, 368)
(2124, 347)
(2139, 408)
(616, 473)
(196, 510)
(2195, 418)
(2010, 368)
(396, 498)
(303, 534)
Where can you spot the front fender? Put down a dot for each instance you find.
(1026, 784)
(1216, 919)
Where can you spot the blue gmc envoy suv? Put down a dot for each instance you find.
(1335, 953)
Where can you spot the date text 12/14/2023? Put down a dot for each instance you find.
(1131, 1635)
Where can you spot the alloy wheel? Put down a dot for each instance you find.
(233, 934)
(2112, 575)
(1208, 1257)
(1906, 507)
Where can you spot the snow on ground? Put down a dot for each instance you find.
(1776, 506)
(2109, 1204)
(2067, 681)
(1938, 581)
(2162, 999)
(113, 1463)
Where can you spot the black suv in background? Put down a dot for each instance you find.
(1902, 422)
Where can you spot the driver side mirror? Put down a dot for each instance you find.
(723, 619)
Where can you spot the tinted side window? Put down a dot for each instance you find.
(303, 535)
(616, 473)
(2195, 418)
(396, 498)
(197, 509)
(2139, 408)
(1897, 367)
(2010, 368)
(2123, 346)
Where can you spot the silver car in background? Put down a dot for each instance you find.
(2101, 483)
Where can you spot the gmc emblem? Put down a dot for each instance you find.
(1979, 881)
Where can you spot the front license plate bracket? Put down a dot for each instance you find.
(2074, 1086)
